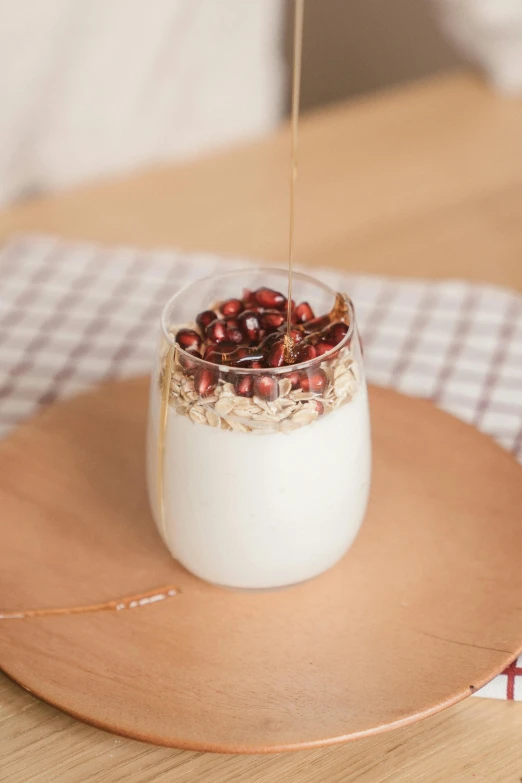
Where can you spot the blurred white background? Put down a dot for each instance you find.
(91, 88)
(94, 87)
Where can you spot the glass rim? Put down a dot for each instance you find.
(288, 368)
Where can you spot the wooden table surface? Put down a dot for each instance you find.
(421, 181)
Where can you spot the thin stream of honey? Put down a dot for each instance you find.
(164, 412)
(296, 92)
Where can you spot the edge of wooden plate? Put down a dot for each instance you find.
(217, 747)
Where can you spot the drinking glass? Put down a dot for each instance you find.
(259, 477)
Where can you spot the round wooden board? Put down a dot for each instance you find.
(424, 608)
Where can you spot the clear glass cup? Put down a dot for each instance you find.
(263, 490)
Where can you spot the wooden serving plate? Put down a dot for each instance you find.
(423, 610)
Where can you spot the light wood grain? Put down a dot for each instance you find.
(422, 181)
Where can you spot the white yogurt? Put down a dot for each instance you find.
(258, 511)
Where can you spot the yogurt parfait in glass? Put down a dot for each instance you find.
(258, 446)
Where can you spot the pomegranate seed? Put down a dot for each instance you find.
(314, 381)
(266, 387)
(205, 381)
(323, 347)
(337, 332)
(220, 353)
(271, 320)
(188, 338)
(303, 313)
(267, 297)
(228, 346)
(188, 364)
(294, 378)
(269, 341)
(216, 331)
(210, 348)
(256, 365)
(241, 356)
(249, 325)
(305, 352)
(319, 407)
(205, 318)
(216, 357)
(275, 356)
(317, 324)
(231, 323)
(244, 386)
(231, 307)
(249, 299)
(235, 335)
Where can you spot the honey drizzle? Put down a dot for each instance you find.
(129, 602)
(165, 396)
(296, 92)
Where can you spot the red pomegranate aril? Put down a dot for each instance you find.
(337, 332)
(235, 335)
(248, 298)
(269, 341)
(294, 378)
(227, 346)
(205, 381)
(216, 331)
(266, 387)
(205, 318)
(188, 364)
(267, 297)
(323, 347)
(314, 381)
(303, 313)
(210, 348)
(241, 357)
(244, 386)
(305, 352)
(249, 325)
(275, 356)
(271, 320)
(257, 365)
(231, 323)
(232, 307)
(317, 324)
(319, 407)
(216, 357)
(220, 353)
(188, 338)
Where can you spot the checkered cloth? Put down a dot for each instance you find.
(72, 315)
